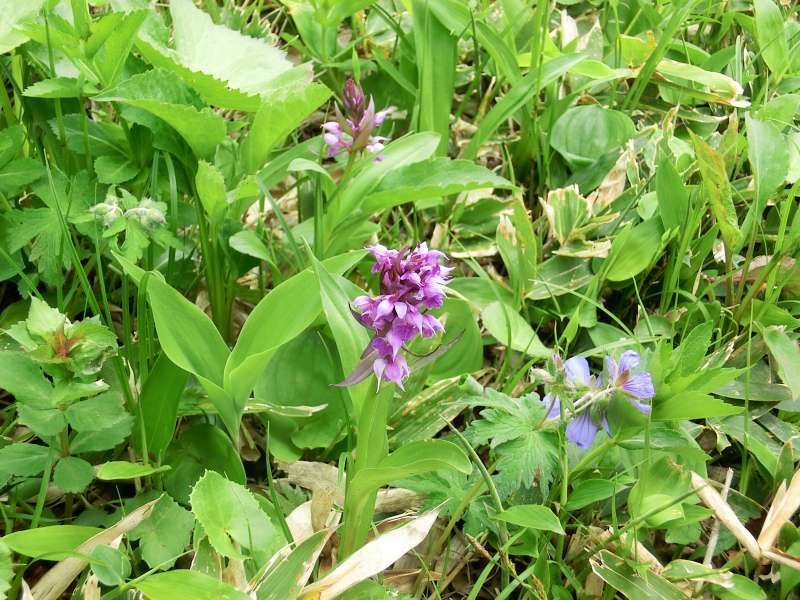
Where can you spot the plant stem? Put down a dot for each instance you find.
(372, 445)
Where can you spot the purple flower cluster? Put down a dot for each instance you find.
(352, 131)
(588, 413)
(411, 281)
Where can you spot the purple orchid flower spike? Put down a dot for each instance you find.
(353, 130)
(411, 282)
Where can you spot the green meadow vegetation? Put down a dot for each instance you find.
(413, 299)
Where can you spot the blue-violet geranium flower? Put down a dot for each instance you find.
(588, 414)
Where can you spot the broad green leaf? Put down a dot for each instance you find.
(104, 437)
(11, 140)
(247, 242)
(518, 95)
(510, 329)
(11, 15)
(110, 565)
(182, 583)
(286, 579)
(740, 587)
(689, 355)
(351, 337)
(414, 458)
(399, 153)
(279, 114)
(211, 190)
(532, 516)
(231, 516)
(673, 197)
(634, 584)
(24, 379)
(73, 474)
(121, 469)
(431, 179)
(467, 354)
(198, 448)
(589, 491)
(6, 570)
(227, 68)
(97, 413)
(54, 542)
(691, 80)
(280, 316)
(164, 535)
(717, 191)
(766, 150)
(299, 377)
(158, 403)
(633, 250)
(19, 173)
(25, 460)
(692, 405)
(585, 132)
(114, 168)
(786, 353)
(164, 95)
(436, 54)
(103, 138)
(656, 496)
(187, 335)
(559, 275)
(771, 37)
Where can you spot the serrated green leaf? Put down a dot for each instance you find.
(231, 516)
(229, 69)
(25, 460)
(73, 474)
(59, 87)
(165, 534)
(111, 566)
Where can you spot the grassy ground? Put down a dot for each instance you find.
(188, 194)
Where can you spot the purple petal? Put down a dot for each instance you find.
(639, 385)
(628, 361)
(553, 406)
(582, 430)
(577, 370)
(611, 369)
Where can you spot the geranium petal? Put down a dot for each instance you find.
(582, 430)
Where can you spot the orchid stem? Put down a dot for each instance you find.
(372, 445)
